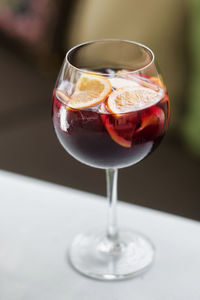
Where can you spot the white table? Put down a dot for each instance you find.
(38, 221)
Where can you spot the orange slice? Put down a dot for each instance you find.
(90, 90)
(121, 130)
(159, 81)
(154, 116)
(62, 96)
(139, 79)
(129, 99)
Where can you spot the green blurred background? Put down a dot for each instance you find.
(35, 35)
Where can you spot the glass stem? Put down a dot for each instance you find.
(111, 180)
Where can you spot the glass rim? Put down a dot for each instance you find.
(108, 40)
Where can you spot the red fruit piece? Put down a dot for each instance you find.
(120, 128)
(165, 99)
(166, 103)
(152, 122)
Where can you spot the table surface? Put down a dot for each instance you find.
(38, 221)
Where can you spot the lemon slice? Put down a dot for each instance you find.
(129, 99)
(90, 90)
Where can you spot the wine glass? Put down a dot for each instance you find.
(110, 111)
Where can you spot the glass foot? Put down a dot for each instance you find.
(96, 256)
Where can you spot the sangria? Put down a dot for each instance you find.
(110, 111)
(126, 126)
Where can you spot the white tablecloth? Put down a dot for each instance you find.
(38, 221)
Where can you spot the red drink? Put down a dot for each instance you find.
(110, 119)
(102, 139)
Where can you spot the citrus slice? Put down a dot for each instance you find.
(141, 79)
(90, 90)
(62, 96)
(159, 81)
(118, 82)
(152, 117)
(152, 125)
(129, 99)
(121, 129)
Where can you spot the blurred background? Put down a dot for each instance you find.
(34, 37)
